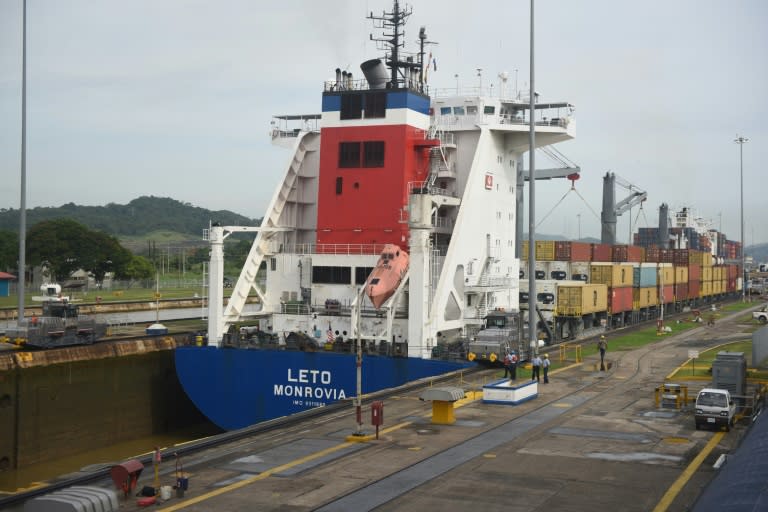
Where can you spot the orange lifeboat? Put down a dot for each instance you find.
(386, 276)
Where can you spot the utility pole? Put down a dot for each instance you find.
(741, 141)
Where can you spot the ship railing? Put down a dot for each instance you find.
(422, 187)
(288, 126)
(341, 249)
(361, 84)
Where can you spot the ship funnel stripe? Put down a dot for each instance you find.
(397, 99)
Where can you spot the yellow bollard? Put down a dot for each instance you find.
(442, 413)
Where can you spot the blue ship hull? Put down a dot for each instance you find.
(236, 388)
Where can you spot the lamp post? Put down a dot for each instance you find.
(741, 141)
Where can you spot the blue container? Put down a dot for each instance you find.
(644, 276)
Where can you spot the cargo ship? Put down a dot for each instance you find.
(388, 161)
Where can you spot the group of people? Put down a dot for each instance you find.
(540, 364)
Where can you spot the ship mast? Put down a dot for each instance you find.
(21, 278)
(401, 71)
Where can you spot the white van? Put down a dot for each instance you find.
(715, 407)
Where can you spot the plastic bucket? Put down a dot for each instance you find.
(165, 492)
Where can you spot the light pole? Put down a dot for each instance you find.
(741, 141)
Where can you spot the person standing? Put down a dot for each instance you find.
(602, 345)
(507, 363)
(535, 366)
(545, 367)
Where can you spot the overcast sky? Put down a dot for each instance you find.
(174, 98)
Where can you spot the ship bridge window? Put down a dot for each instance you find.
(458, 111)
(351, 106)
(375, 104)
(471, 110)
(489, 109)
(349, 154)
(331, 275)
(361, 274)
(373, 153)
(445, 111)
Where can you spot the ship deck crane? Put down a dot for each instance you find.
(612, 209)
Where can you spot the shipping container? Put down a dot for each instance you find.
(694, 273)
(681, 291)
(573, 251)
(644, 297)
(695, 258)
(545, 250)
(665, 274)
(581, 299)
(545, 294)
(666, 293)
(706, 274)
(542, 269)
(611, 274)
(706, 288)
(580, 271)
(621, 253)
(681, 274)
(681, 257)
(602, 252)
(694, 289)
(707, 259)
(524, 254)
(644, 275)
(619, 299)
(559, 270)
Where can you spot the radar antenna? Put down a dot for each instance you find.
(392, 39)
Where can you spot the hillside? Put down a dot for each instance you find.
(140, 217)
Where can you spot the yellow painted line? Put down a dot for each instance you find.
(678, 485)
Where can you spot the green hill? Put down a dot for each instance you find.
(137, 219)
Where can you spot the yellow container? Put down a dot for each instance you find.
(615, 275)
(644, 297)
(665, 274)
(706, 274)
(578, 300)
(524, 255)
(681, 275)
(545, 250)
(706, 288)
(695, 257)
(707, 259)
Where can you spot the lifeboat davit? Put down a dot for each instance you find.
(386, 275)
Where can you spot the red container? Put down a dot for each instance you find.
(601, 252)
(694, 273)
(573, 251)
(633, 253)
(619, 299)
(733, 271)
(694, 289)
(652, 254)
(666, 256)
(668, 293)
(681, 291)
(731, 285)
(679, 257)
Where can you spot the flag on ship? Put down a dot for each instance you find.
(330, 333)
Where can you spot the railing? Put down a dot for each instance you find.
(361, 84)
(336, 249)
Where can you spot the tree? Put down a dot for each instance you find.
(9, 251)
(138, 268)
(65, 246)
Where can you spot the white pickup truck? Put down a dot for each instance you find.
(715, 407)
(761, 315)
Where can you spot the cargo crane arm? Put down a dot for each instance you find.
(612, 209)
(636, 196)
